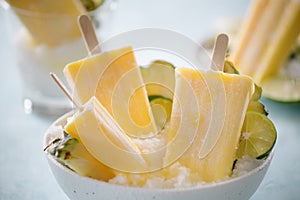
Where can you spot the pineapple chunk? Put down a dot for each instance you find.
(205, 127)
(114, 78)
(74, 155)
(105, 140)
(44, 24)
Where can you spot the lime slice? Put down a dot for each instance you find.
(258, 136)
(281, 88)
(161, 109)
(162, 62)
(257, 106)
(159, 78)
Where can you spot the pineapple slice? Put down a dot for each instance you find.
(205, 127)
(44, 25)
(71, 153)
(114, 78)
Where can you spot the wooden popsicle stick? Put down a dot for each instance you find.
(89, 35)
(64, 89)
(219, 52)
(92, 44)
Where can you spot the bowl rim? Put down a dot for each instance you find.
(60, 120)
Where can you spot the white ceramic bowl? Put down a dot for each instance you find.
(83, 188)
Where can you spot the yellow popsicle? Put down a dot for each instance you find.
(114, 78)
(209, 127)
(281, 43)
(49, 22)
(260, 37)
(266, 38)
(254, 12)
(105, 140)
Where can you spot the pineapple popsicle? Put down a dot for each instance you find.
(42, 23)
(268, 34)
(216, 116)
(104, 139)
(114, 78)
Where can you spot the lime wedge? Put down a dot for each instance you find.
(91, 4)
(282, 88)
(161, 109)
(257, 106)
(257, 93)
(229, 68)
(258, 136)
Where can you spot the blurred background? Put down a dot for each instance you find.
(24, 173)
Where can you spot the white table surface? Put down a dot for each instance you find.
(24, 173)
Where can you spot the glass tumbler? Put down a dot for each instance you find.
(45, 37)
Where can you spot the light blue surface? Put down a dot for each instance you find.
(24, 173)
